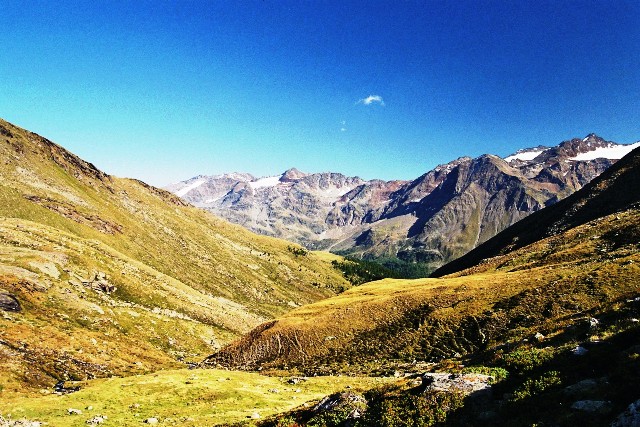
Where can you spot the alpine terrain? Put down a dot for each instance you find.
(547, 311)
(414, 226)
(104, 276)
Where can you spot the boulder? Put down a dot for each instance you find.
(98, 419)
(579, 351)
(9, 302)
(630, 417)
(583, 387)
(593, 406)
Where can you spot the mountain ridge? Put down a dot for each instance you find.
(395, 221)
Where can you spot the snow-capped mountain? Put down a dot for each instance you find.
(435, 218)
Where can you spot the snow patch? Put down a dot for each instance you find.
(269, 181)
(195, 184)
(525, 155)
(611, 152)
(335, 192)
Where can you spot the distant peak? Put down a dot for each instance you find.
(592, 136)
(292, 174)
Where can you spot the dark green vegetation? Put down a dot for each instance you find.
(359, 271)
(393, 267)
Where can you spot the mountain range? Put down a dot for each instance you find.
(108, 286)
(415, 225)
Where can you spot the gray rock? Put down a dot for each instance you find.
(594, 406)
(152, 420)
(9, 302)
(466, 383)
(630, 417)
(579, 351)
(73, 411)
(98, 419)
(7, 422)
(583, 387)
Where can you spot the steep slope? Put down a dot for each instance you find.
(586, 270)
(415, 226)
(102, 275)
(615, 190)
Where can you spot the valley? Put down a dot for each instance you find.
(121, 299)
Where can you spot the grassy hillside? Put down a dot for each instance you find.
(555, 322)
(547, 286)
(115, 276)
(553, 319)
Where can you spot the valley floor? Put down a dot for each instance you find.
(179, 397)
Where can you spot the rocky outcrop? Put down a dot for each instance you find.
(8, 302)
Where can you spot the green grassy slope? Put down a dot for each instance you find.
(115, 276)
(196, 398)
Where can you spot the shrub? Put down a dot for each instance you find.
(532, 387)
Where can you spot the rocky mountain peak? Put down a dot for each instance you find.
(292, 174)
(432, 219)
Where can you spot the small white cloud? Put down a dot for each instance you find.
(371, 99)
(343, 129)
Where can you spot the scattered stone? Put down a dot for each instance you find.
(274, 390)
(23, 422)
(538, 337)
(152, 420)
(579, 351)
(255, 416)
(89, 408)
(8, 302)
(59, 388)
(630, 417)
(594, 406)
(295, 380)
(466, 383)
(73, 411)
(581, 388)
(98, 419)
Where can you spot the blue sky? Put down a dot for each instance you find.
(164, 90)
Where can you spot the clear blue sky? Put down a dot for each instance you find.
(164, 90)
